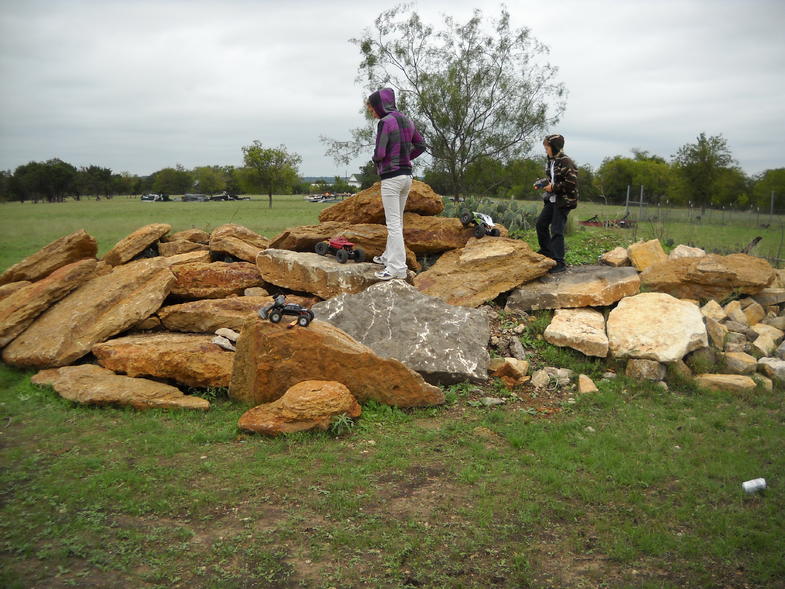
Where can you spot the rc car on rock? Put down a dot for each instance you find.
(342, 248)
(483, 224)
(279, 307)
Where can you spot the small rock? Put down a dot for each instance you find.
(229, 334)
(589, 429)
(714, 310)
(765, 345)
(491, 401)
(763, 381)
(609, 374)
(223, 343)
(739, 363)
(586, 384)
(517, 350)
(642, 369)
(663, 385)
(735, 313)
(541, 379)
(255, 291)
(735, 383)
(519, 329)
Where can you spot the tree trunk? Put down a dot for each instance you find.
(270, 199)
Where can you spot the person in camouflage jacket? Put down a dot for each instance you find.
(560, 197)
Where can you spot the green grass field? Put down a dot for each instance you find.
(630, 487)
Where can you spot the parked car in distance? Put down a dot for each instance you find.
(195, 198)
(155, 198)
(227, 196)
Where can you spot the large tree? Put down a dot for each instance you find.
(700, 166)
(274, 167)
(175, 180)
(95, 181)
(473, 94)
(209, 179)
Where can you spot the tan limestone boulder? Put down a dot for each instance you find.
(188, 359)
(92, 385)
(655, 326)
(180, 246)
(307, 405)
(433, 235)
(739, 362)
(586, 385)
(270, 358)
(366, 206)
(579, 329)
(305, 237)
(94, 312)
(482, 270)
(61, 252)
(372, 239)
(135, 243)
(511, 371)
(369, 237)
(643, 369)
(646, 253)
(194, 257)
(765, 345)
(216, 280)
(20, 309)
(237, 241)
(735, 383)
(312, 273)
(708, 277)
(716, 332)
(735, 313)
(210, 315)
(194, 235)
(579, 286)
(616, 257)
(12, 287)
(714, 310)
(770, 296)
(754, 313)
(685, 251)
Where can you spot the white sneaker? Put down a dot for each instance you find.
(386, 275)
(378, 260)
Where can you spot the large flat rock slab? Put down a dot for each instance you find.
(311, 404)
(369, 237)
(61, 252)
(19, 310)
(208, 315)
(482, 270)
(366, 206)
(92, 385)
(99, 309)
(216, 280)
(135, 243)
(655, 326)
(270, 358)
(237, 241)
(444, 343)
(188, 359)
(708, 277)
(578, 286)
(433, 235)
(312, 273)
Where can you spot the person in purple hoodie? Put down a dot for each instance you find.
(397, 143)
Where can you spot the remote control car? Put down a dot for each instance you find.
(342, 248)
(540, 183)
(279, 307)
(483, 224)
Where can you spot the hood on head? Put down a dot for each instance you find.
(383, 101)
(556, 142)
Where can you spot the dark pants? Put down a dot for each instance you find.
(550, 231)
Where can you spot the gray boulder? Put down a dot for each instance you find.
(444, 343)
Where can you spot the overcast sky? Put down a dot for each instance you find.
(138, 85)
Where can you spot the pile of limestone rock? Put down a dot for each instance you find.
(138, 326)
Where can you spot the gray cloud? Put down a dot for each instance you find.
(141, 85)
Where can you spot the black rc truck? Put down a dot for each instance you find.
(279, 307)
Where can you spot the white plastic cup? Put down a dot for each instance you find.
(754, 485)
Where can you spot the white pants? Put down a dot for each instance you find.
(395, 191)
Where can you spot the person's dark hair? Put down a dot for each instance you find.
(556, 142)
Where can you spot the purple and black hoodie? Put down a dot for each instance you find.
(397, 140)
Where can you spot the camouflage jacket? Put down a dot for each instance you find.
(565, 186)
